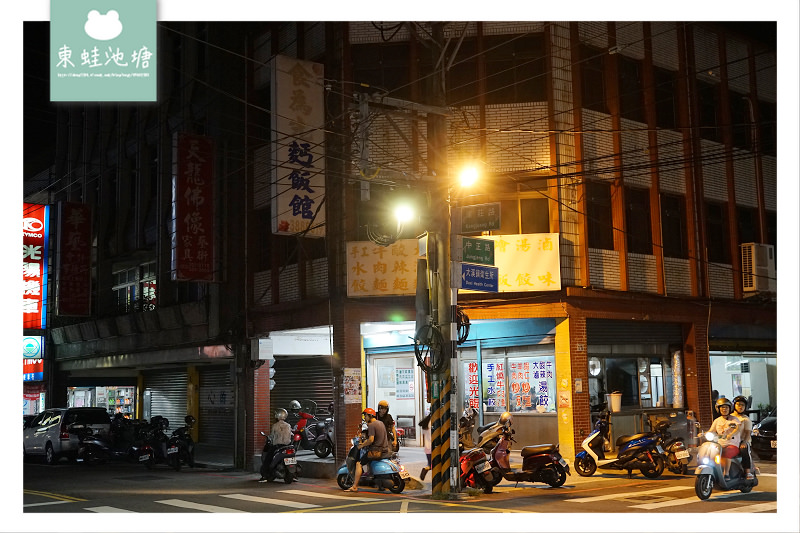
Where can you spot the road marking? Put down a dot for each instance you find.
(46, 503)
(404, 506)
(199, 506)
(53, 495)
(270, 501)
(620, 495)
(755, 508)
(107, 509)
(329, 496)
(684, 501)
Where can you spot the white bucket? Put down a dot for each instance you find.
(615, 402)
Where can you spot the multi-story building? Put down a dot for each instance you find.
(639, 158)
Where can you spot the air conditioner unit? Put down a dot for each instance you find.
(758, 267)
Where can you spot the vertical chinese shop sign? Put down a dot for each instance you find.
(193, 209)
(298, 149)
(74, 281)
(35, 228)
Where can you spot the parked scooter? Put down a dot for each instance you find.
(540, 463)
(490, 433)
(127, 438)
(676, 456)
(154, 447)
(320, 435)
(641, 451)
(466, 424)
(475, 470)
(382, 473)
(92, 448)
(709, 470)
(279, 462)
(180, 447)
(307, 428)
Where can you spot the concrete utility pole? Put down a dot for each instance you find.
(439, 274)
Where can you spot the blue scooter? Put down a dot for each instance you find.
(383, 473)
(641, 451)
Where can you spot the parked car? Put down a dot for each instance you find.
(26, 419)
(51, 433)
(765, 436)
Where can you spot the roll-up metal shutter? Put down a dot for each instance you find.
(299, 378)
(601, 331)
(168, 395)
(217, 420)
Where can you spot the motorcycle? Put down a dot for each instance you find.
(382, 473)
(180, 447)
(542, 463)
(127, 438)
(321, 435)
(279, 462)
(640, 451)
(676, 456)
(709, 470)
(475, 471)
(154, 442)
(465, 426)
(92, 449)
(489, 434)
(308, 429)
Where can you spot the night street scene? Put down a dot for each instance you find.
(432, 270)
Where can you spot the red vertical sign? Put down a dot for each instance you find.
(74, 282)
(34, 265)
(193, 242)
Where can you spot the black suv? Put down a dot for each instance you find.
(765, 436)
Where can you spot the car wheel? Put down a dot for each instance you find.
(49, 455)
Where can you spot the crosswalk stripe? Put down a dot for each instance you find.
(619, 495)
(328, 496)
(46, 503)
(107, 509)
(684, 501)
(199, 506)
(754, 508)
(270, 501)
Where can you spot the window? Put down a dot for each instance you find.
(512, 379)
(462, 78)
(515, 69)
(639, 236)
(741, 121)
(707, 95)
(768, 117)
(717, 233)
(748, 224)
(644, 380)
(534, 215)
(631, 95)
(593, 86)
(598, 207)
(666, 105)
(673, 226)
(135, 288)
(384, 66)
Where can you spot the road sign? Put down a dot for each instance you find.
(472, 250)
(473, 277)
(480, 217)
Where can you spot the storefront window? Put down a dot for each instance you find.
(512, 379)
(644, 380)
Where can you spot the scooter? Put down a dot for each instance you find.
(92, 449)
(154, 442)
(542, 463)
(279, 462)
(382, 473)
(307, 429)
(475, 471)
(640, 451)
(180, 447)
(709, 470)
(676, 456)
(489, 434)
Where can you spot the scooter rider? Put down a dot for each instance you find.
(739, 408)
(728, 428)
(376, 443)
(388, 421)
(279, 435)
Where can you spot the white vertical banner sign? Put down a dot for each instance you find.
(298, 147)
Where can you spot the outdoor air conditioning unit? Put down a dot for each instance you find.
(758, 267)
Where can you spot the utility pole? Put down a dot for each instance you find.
(439, 275)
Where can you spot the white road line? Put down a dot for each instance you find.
(755, 508)
(404, 506)
(623, 495)
(199, 506)
(684, 501)
(107, 509)
(46, 503)
(270, 501)
(329, 496)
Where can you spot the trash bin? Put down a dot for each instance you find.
(615, 401)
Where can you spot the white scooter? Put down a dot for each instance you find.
(709, 470)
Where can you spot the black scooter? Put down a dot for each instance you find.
(180, 447)
(278, 462)
(92, 449)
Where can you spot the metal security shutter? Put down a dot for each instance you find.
(216, 420)
(168, 396)
(601, 331)
(301, 378)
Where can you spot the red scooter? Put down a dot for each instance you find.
(542, 462)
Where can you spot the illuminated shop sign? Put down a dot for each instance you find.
(35, 228)
(32, 370)
(32, 347)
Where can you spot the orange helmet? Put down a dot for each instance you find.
(368, 411)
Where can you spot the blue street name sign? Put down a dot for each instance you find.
(474, 277)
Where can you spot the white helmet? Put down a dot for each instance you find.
(281, 414)
(505, 418)
(294, 405)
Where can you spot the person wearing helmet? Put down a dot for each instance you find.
(728, 427)
(739, 411)
(376, 443)
(388, 421)
(279, 435)
(190, 420)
